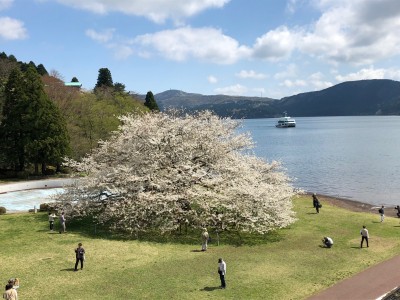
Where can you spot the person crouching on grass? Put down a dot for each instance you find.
(327, 241)
(80, 256)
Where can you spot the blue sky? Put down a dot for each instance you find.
(269, 48)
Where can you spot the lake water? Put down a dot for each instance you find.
(350, 157)
(27, 199)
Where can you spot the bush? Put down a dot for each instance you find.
(3, 210)
(50, 170)
(44, 207)
(23, 175)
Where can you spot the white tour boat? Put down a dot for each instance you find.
(286, 122)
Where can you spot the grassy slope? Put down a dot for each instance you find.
(290, 265)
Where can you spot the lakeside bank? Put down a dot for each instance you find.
(48, 184)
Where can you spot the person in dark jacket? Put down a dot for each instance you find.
(398, 211)
(382, 213)
(80, 256)
(317, 205)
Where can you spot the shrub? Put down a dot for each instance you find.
(44, 207)
(50, 170)
(3, 210)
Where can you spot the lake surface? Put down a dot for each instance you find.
(27, 199)
(350, 157)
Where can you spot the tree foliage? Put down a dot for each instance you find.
(104, 79)
(162, 170)
(32, 130)
(150, 102)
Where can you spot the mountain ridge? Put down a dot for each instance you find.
(362, 97)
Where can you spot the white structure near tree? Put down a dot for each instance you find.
(161, 170)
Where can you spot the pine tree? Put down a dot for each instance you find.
(150, 102)
(104, 79)
(32, 130)
(14, 128)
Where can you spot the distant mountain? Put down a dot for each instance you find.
(364, 97)
(352, 98)
(232, 106)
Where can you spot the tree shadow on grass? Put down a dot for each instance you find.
(190, 236)
(210, 288)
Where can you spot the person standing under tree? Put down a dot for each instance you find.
(51, 220)
(62, 223)
(222, 272)
(204, 238)
(364, 236)
(80, 256)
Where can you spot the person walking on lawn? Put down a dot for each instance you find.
(222, 272)
(80, 256)
(316, 203)
(382, 213)
(364, 236)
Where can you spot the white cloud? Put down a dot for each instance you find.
(12, 29)
(156, 10)
(4, 4)
(276, 44)
(212, 79)
(101, 37)
(293, 83)
(250, 74)
(206, 44)
(370, 73)
(317, 80)
(357, 31)
(121, 52)
(290, 71)
(233, 90)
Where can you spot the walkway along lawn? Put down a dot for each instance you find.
(289, 264)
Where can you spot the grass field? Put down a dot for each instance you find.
(288, 264)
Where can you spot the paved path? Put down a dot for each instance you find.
(371, 284)
(35, 184)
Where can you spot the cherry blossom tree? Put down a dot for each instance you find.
(162, 170)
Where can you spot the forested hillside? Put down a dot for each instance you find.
(43, 120)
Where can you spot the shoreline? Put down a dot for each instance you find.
(354, 205)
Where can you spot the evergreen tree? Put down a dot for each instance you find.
(119, 87)
(14, 128)
(49, 142)
(32, 130)
(150, 102)
(74, 79)
(42, 70)
(104, 79)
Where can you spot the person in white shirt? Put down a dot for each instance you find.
(51, 220)
(204, 238)
(222, 272)
(364, 236)
(328, 242)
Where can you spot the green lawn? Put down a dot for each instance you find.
(289, 264)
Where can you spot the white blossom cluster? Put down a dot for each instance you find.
(162, 170)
